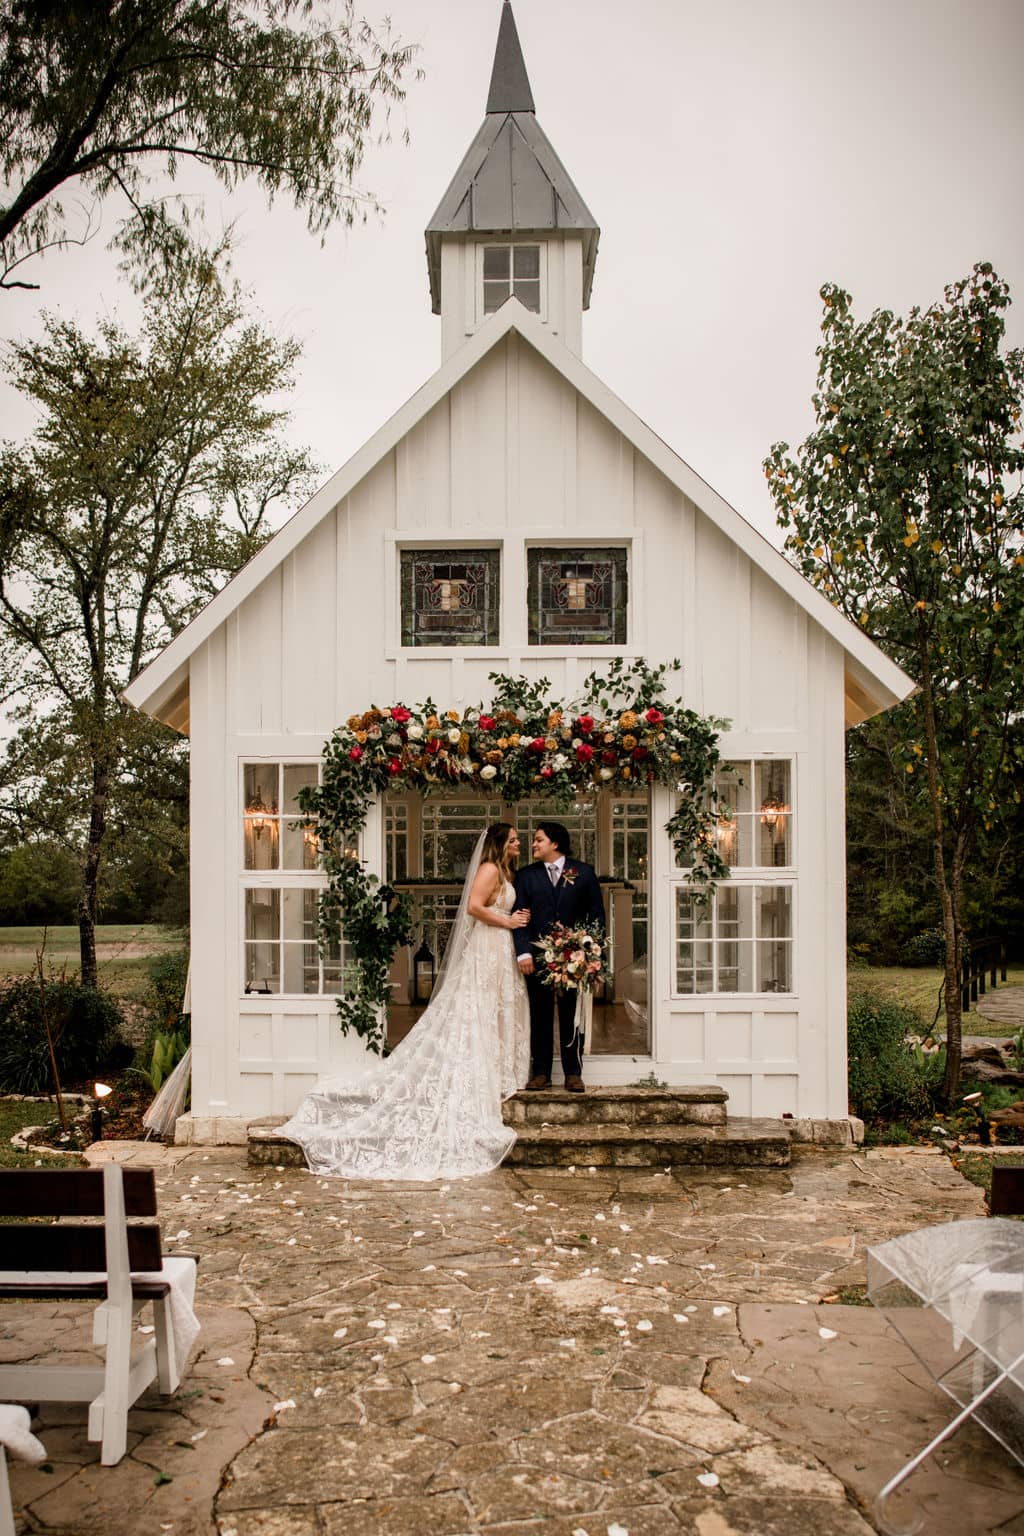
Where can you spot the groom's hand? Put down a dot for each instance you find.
(526, 964)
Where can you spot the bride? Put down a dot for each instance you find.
(432, 1109)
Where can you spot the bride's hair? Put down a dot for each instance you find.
(495, 847)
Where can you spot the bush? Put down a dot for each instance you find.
(927, 948)
(86, 1027)
(165, 990)
(888, 1079)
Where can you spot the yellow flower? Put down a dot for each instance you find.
(554, 719)
(936, 546)
(513, 740)
(550, 743)
(920, 606)
(998, 498)
(432, 722)
(863, 616)
(860, 546)
(628, 720)
(628, 743)
(844, 447)
(503, 742)
(910, 767)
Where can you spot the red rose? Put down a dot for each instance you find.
(584, 752)
(654, 717)
(433, 745)
(537, 744)
(609, 757)
(639, 753)
(401, 714)
(487, 722)
(355, 754)
(586, 724)
(394, 766)
(546, 773)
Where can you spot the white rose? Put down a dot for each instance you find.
(577, 741)
(471, 714)
(559, 761)
(488, 771)
(606, 773)
(374, 733)
(415, 732)
(454, 733)
(394, 740)
(467, 765)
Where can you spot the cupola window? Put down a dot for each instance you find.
(511, 271)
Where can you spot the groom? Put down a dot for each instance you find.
(557, 888)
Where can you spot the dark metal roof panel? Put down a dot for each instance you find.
(510, 86)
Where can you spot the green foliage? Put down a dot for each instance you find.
(925, 948)
(151, 476)
(1017, 1056)
(107, 99)
(905, 508)
(165, 989)
(624, 731)
(39, 883)
(887, 1079)
(86, 1027)
(167, 1049)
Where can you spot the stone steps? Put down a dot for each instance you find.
(607, 1127)
(739, 1144)
(700, 1105)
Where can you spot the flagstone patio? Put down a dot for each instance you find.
(539, 1351)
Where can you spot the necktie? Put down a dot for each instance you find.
(553, 873)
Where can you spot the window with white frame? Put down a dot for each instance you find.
(511, 271)
(281, 887)
(742, 941)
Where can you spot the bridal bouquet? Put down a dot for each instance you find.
(574, 958)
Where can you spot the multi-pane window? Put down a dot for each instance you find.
(275, 837)
(450, 597)
(742, 942)
(579, 820)
(757, 831)
(282, 953)
(577, 596)
(396, 839)
(282, 886)
(511, 271)
(450, 832)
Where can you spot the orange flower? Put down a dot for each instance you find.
(453, 716)
(554, 719)
(628, 720)
(629, 742)
(551, 745)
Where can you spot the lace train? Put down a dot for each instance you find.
(432, 1109)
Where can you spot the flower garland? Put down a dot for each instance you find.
(623, 733)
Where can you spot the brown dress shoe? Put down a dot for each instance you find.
(575, 1085)
(537, 1083)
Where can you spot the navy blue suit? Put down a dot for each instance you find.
(572, 901)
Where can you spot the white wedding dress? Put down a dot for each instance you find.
(432, 1109)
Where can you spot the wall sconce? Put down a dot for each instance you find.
(773, 813)
(257, 811)
(423, 973)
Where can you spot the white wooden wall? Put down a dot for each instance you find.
(514, 454)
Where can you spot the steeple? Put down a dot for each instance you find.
(510, 87)
(512, 187)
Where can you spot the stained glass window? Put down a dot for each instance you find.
(450, 597)
(577, 596)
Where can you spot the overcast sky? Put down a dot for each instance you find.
(736, 154)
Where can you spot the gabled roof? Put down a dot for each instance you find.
(873, 682)
(510, 180)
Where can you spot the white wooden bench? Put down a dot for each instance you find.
(95, 1254)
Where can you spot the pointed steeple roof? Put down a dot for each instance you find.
(510, 87)
(511, 180)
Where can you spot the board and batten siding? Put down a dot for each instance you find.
(514, 454)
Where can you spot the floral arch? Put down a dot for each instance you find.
(623, 731)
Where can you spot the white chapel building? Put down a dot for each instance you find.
(571, 534)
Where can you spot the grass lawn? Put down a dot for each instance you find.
(918, 986)
(14, 1114)
(123, 953)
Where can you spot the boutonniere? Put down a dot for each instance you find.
(569, 874)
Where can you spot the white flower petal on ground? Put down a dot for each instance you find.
(708, 1479)
(705, 1266)
(721, 1311)
(225, 1360)
(567, 1343)
(428, 1359)
(644, 1326)
(738, 1377)
(200, 1434)
(652, 1258)
(827, 1333)
(377, 1322)
(318, 1391)
(680, 1317)
(339, 1333)
(542, 1279)
(289, 1402)
(394, 1306)
(615, 1529)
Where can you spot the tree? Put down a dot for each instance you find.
(905, 507)
(104, 96)
(151, 477)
